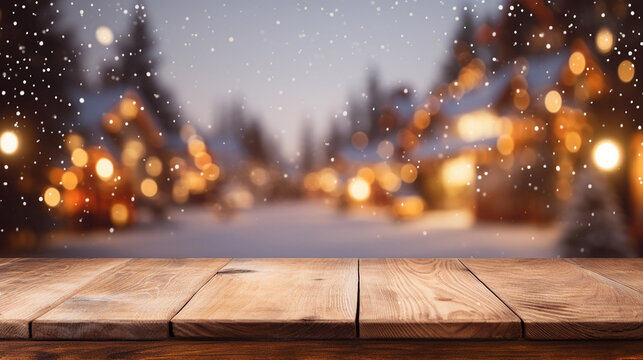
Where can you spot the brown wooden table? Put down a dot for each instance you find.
(321, 308)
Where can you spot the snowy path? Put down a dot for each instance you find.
(310, 229)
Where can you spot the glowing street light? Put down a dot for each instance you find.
(607, 155)
(8, 142)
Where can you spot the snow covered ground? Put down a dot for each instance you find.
(309, 229)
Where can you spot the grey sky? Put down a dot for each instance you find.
(287, 59)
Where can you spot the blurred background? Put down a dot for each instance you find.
(482, 128)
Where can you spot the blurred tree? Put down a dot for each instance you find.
(374, 104)
(137, 67)
(463, 48)
(594, 225)
(336, 140)
(307, 146)
(38, 68)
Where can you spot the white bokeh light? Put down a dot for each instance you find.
(607, 155)
(104, 35)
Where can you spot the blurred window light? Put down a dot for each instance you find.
(479, 125)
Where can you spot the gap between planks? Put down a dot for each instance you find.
(522, 322)
(191, 297)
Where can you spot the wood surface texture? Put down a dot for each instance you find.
(560, 300)
(429, 298)
(135, 302)
(30, 287)
(322, 349)
(626, 271)
(274, 298)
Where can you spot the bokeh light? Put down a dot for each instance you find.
(69, 180)
(51, 197)
(104, 35)
(577, 63)
(153, 166)
(358, 189)
(626, 71)
(604, 40)
(119, 214)
(149, 187)
(607, 155)
(104, 168)
(553, 101)
(8, 142)
(573, 141)
(79, 157)
(505, 144)
(408, 173)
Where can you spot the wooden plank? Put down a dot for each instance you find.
(135, 302)
(274, 298)
(628, 272)
(559, 300)
(30, 287)
(322, 350)
(429, 298)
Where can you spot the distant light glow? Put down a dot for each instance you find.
(153, 166)
(104, 35)
(607, 155)
(408, 173)
(577, 63)
(604, 40)
(149, 187)
(458, 172)
(8, 142)
(79, 157)
(359, 140)
(553, 101)
(408, 206)
(478, 125)
(358, 189)
(69, 180)
(51, 197)
(573, 141)
(626, 71)
(505, 144)
(104, 168)
(119, 214)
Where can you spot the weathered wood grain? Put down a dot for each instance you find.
(559, 300)
(429, 298)
(322, 350)
(274, 298)
(135, 302)
(30, 287)
(626, 271)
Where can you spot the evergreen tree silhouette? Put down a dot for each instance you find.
(137, 67)
(38, 68)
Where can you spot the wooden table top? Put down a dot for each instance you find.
(142, 299)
